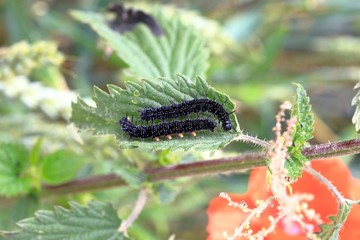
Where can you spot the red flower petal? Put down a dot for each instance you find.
(226, 218)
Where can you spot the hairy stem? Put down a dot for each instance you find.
(238, 163)
(326, 183)
(332, 149)
(253, 140)
(343, 208)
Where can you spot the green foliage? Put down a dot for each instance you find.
(166, 192)
(356, 102)
(13, 160)
(331, 230)
(34, 156)
(131, 175)
(166, 157)
(110, 108)
(96, 221)
(181, 50)
(20, 208)
(256, 71)
(60, 166)
(303, 131)
(21, 171)
(21, 58)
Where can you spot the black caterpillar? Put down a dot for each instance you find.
(186, 108)
(166, 128)
(127, 18)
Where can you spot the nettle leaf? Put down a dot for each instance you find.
(60, 166)
(303, 131)
(180, 50)
(118, 103)
(356, 102)
(96, 221)
(13, 161)
(331, 230)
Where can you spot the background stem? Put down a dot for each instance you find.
(240, 163)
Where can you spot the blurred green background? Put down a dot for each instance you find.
(258, 48)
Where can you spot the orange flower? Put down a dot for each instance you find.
(226, 218)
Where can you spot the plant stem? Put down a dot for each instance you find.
(253, 140)
(238, 163)
(343, 208)
(332, 149)
(139, 205)
(326, 183)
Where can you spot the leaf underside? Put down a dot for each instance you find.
(118, 103)
(180, 50)
(96, 221)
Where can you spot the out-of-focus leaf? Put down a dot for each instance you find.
(180, 50)
(133, 176)
(60, 166)
(35, 152)
(20, 208)
(13, 160)
(356, 102)
(166, 192)
(96, 221)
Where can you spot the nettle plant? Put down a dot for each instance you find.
(162, 112)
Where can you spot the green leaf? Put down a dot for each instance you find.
(166, 157)
(305, 118)
(166, 192)
(13, 160)
(35, 152)
(60, 166)
(331, 230)
(303, 131)
(133, 176)
(180, 50)
(96, 221)
(20, 208)
(356, 102)
(110, 108)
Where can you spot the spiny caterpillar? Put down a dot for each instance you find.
(185, 108)
(167, 128)
(126, 19)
